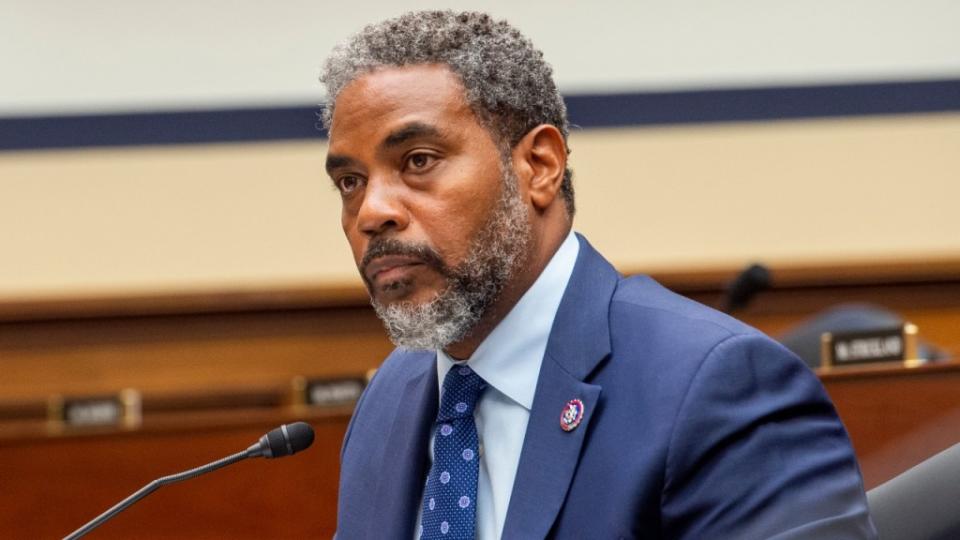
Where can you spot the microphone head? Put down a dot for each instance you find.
(285, 440)
(745, 286)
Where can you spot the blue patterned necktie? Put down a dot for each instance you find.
(450, 498)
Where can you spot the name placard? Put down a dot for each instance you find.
(892, 344)
(122, 410)
(327, 392)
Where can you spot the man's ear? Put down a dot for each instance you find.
(540, 159)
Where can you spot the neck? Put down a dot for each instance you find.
(525, 275)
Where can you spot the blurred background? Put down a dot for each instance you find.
(166, 226)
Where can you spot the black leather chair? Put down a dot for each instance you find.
(923, 503)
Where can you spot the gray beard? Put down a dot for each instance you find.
(472, 286)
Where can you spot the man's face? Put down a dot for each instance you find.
(430, 210)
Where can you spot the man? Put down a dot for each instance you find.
(535, 392)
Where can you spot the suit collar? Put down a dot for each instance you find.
(579, 342)
(580, 337)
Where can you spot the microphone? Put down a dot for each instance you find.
(285, 440)
(745, 286)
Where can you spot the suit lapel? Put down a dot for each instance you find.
(400, 486)
(550, 455)
(579, 341)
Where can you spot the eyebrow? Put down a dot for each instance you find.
(396, 138)
(410, 131)
(335, 161)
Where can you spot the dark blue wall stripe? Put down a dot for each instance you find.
(588, 111)
(134, 129)
(753, 104)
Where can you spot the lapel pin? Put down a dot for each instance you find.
(572, 415)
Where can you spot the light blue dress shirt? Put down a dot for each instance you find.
(509, 360)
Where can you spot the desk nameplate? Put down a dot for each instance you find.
(892, 344)
(327, 392)
(123, 409)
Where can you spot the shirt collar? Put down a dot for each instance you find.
(509, 358)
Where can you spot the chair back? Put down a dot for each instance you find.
(923, 503)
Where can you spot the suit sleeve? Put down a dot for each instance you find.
(758, 451)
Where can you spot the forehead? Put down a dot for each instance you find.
(388, 98)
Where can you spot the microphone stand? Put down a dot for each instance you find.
(153, 486)
(285, 440)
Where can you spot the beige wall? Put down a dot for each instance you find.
(786, 192)
(169, 219)
(118, 55)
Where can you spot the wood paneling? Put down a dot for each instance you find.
(186, 352)
(214, 369)
(896, 417)
(53, 485)
(934, 306)
(228, 341)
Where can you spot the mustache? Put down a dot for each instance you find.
(380, 247)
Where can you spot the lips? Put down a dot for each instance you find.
(388, 265)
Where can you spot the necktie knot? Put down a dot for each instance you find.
(461, 390)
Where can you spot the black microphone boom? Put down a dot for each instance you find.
(744, 287)
(285, 440)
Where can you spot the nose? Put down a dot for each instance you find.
(382, 208)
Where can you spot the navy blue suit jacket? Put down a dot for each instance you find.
(696, 426)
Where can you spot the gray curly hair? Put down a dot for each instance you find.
(508, 84)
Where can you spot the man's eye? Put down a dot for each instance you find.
(348, 183)
(419, 161)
